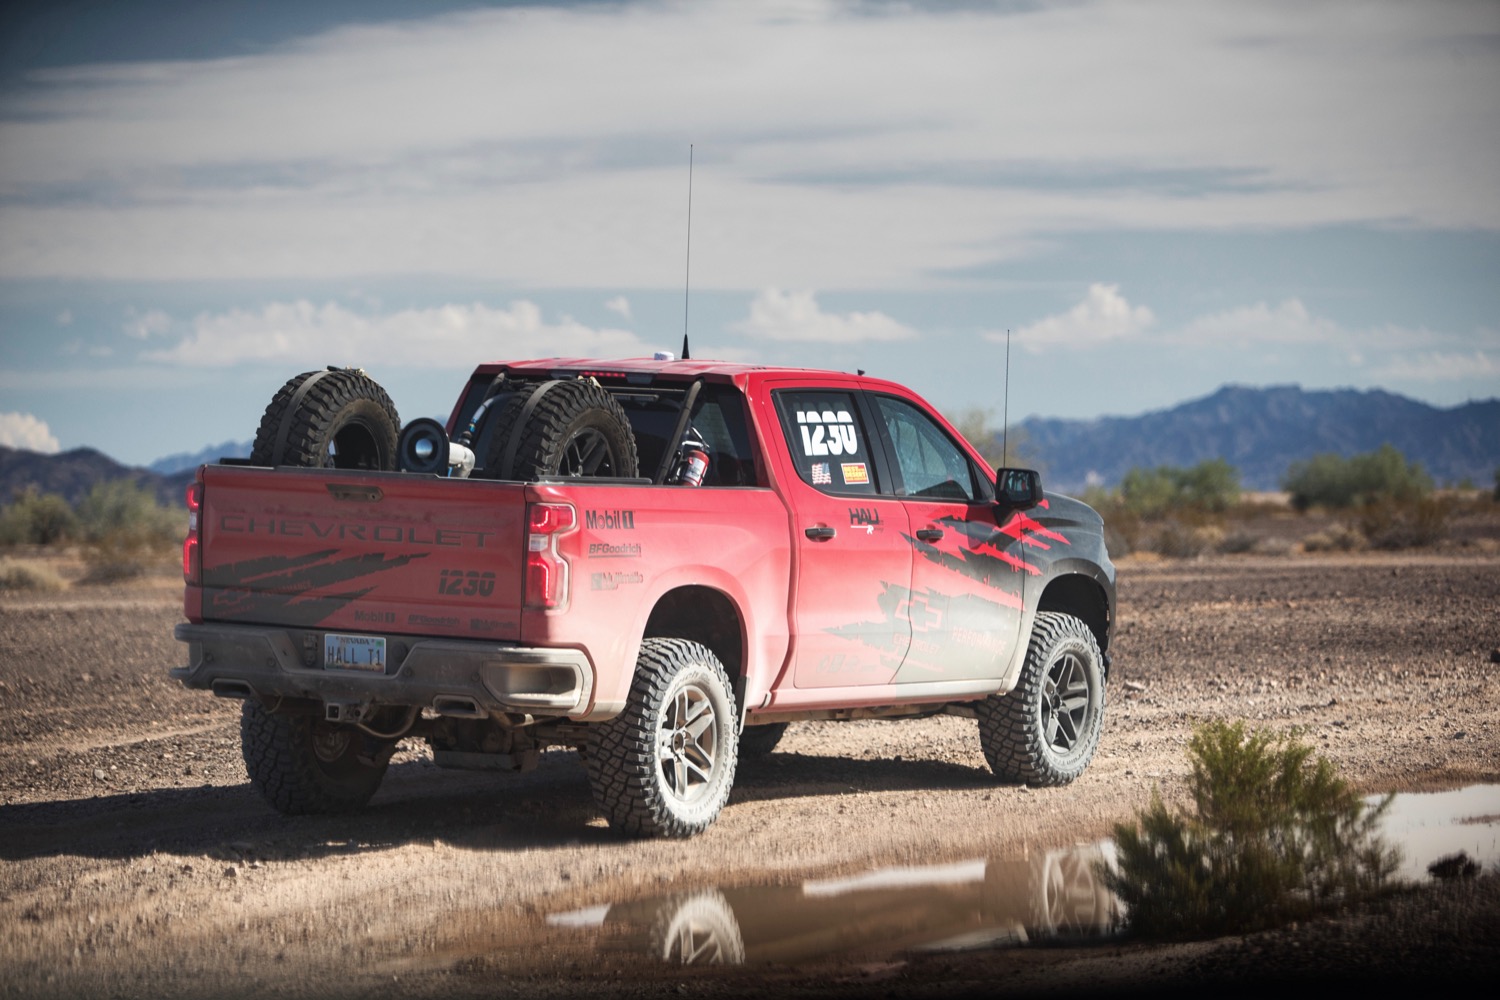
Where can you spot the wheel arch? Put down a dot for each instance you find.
(1085, 599)
(707, 616)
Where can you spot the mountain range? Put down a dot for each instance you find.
(1260, 431)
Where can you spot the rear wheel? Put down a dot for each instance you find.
(759, 741)
(664, 766)
(1045, 732)
(337, 418)
(563, 428)
(303, 765)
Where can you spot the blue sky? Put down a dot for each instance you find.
(200, 200)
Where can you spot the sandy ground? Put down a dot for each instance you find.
(135, 860)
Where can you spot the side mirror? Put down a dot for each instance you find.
(1018, 489)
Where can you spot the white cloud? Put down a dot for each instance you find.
(778, 315)
(1440, 366)
(22, 430)
(619, 304)
(142, 326)
(65, 318)
(1103, 315)
(830, 135)
(443, 337)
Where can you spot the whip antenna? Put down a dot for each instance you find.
(1005, 409)
(687, 277)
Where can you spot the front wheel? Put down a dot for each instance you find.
(303, 765)
(1045, 732)
(664, 766)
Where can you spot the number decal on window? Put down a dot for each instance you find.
(827, 433)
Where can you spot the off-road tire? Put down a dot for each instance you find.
(302, 765)
(665, 765)
(330, 419)
(759, 741)
(574, 428)
(1045, 732)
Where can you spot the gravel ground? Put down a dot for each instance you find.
(136, 861)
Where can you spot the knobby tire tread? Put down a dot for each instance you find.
(623, 770)
(326, 408)
(1009, 731)
(284, 769)
(564, 407)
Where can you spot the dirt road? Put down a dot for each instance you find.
(135, 860)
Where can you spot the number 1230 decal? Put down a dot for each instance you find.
(470, 583)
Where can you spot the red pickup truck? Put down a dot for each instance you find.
(661, 563)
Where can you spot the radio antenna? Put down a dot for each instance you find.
(1005, 409)
(687, 277)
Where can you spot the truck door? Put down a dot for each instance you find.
(968, 572)
(848, 612)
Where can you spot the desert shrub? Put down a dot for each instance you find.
(17, 574)
(1336, 482)
(1239, 541)
(1184, 541)
(126, 531)
(1208, 486)
(1340, 538)
(1393, 524)
(1496, 495)
(34, 518)
(1273, 836)
(1212, 486)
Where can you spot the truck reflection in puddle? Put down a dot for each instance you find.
(1052, 895)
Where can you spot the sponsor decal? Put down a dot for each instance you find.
(441, 621)
(379, 617)
(490, 625)
(388, 534)
(822, 474)
(827, 432)
(864, 517)
(604, 550)
(614, 581)
(609, 520)
(855, 473)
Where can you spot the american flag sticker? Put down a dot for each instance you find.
(822, 474)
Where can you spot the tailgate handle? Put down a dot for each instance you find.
(930, 534)
(820, 534)
(358, 494)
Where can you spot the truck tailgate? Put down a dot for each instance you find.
(371, 552)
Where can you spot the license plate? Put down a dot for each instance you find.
(354, 652)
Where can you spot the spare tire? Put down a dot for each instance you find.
(566, 427)
(337, 418)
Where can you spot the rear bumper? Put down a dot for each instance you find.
(454, 677)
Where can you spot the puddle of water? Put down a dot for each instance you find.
(1048, 896)
(1428, 826)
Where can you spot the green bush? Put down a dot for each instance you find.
(37, 519)
(1391, 524)
(126, 530)
(1274, 836)
(1212, 486)
(1339, 483)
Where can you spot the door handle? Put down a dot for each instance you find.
(821, 533)
(929, 534)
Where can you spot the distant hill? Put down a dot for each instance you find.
(1261, 431)
(74, 473)
(185, 461)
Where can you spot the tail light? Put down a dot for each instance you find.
(546, 569)
(191, 562)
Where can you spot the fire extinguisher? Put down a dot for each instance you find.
(692, 461)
